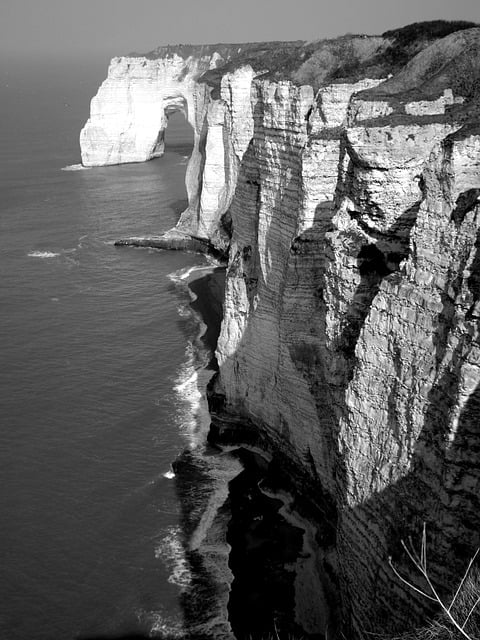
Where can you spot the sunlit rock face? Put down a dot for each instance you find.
(350, 336)
(350, 333)
(129, 115)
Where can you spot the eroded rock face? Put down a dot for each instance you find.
(351, 314)
(129, 115)
(350, 332)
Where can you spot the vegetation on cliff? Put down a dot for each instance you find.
(346, 58)
(351, 58)
(459, 616)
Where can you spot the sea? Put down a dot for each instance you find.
(99, 354)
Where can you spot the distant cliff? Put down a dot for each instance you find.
(350, 212)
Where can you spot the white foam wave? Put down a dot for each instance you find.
(189, 398)
(163, 624)
(183, 274)
(43, 254)
(190, 408)
(170, 550)
(75, 167)
(184, 311)
(167, 627)
(188, 386)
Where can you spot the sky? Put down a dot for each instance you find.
(106, 28)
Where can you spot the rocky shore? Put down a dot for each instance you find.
(265, 532)
(173, 240)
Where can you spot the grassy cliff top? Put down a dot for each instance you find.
(346, 58)
(451, 62)
(351, 58)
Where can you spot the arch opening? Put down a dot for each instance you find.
(175, 120)
(178, 134)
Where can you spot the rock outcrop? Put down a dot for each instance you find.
(350, 337)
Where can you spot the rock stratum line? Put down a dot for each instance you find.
(350, 216)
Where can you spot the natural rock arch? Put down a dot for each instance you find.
(176, 103)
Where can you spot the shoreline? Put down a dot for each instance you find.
(203, 474)
(205, 286)
(270, 548)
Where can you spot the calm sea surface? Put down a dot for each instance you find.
(94, 393)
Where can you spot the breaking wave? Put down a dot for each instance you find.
(171, 551)
(186, 384)
(189, 397)
(43, 254)
(162, 624)
(182, 275)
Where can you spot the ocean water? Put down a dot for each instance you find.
(97, 381)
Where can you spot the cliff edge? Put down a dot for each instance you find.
(345, 191)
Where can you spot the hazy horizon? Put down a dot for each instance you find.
(107, 28)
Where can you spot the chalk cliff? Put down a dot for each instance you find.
(350, 339)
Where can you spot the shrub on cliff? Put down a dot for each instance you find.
(410, 40)
(459, 619)
(441, 628)
(353, 57)
(466, 77)
(339, 58)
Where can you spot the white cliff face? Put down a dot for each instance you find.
(282, 209)
(405, 427)
(129, 113)
(350, 335)
(229, 131)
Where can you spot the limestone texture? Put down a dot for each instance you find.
(350, 338)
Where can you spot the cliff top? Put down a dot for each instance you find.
(228, 51)
(345, 58)
(453, 61)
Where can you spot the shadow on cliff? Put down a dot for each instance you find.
(375, 261)
(438, 490)
(439, 487)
